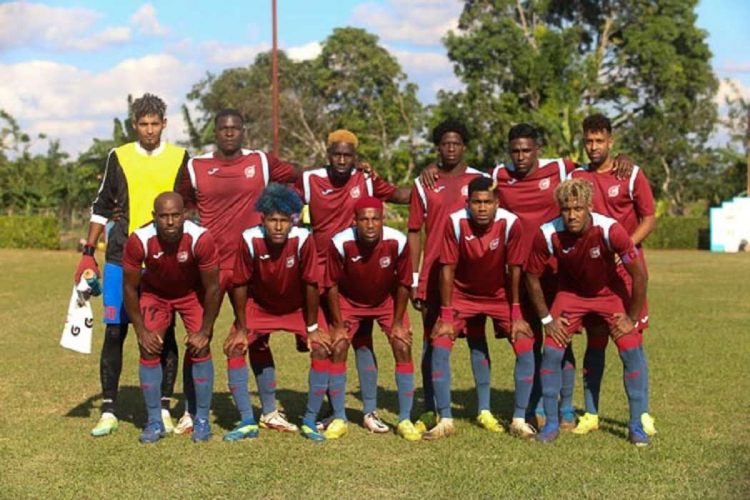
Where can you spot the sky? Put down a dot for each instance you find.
(67, 66)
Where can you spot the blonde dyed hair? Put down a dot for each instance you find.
(578, 189)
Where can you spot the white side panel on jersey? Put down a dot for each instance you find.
(249, 235)
(496, 170)
(347, 234)
(510, 219)
(394, 234)
(318, 172)
(631, 183)
(195, 231)
(191, 173)
(368, 185)
(302, 234)
(472, 170)
(456, 218)
(550, 228)
(561, 166)
(144, 234)
(605, 223)
(421, 193)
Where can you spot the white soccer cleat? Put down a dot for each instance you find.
(185, 424)
(373, 423)
(277, 421)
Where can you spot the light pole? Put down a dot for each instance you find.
(275, 82)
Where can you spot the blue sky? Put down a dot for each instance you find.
(68, 65)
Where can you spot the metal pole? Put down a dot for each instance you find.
(275, 83)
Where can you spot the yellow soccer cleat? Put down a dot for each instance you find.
(426, 420)
(487, 421)
(443, 429)
(106, 425)
(336, 429)
(647, 421)
(166, 419)
(587, 423)
(408, 431)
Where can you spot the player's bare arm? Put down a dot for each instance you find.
(315, 335)
(553, 327)
(444, 325)
(338, 330)
(518, 325)
(236, 342)
(625, 323)
(198, 342)
(399, 331)
(150, 342)
(414, 240)
(645, 227)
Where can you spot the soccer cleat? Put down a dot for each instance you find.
(647, 421)
(106, 425)
(312, 433)
(638, 436)
(548, 434)
(487, 420)
(426, 420)
(408, 431)
(587, 423)
(520, 428)
(541, 420)
(201, 430)
(185, 424)
(153, 432)
(567, 420)
(277, 421)
(322, 425)
(443, 429)
(245, 430)
(336, 429)
(373, 423)
(166, 419)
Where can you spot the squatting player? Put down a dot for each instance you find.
(331, 193)
(135, 174)
(276, 288)
(480, 241)
(430, 208)
(585, 244)
(630, 202)
(368, 277)
(181, 276)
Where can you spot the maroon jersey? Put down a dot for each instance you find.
(331, 207)
(277, 278)
(431, 208)
(367, 277)
(172, 269)
(586, 262)
(225, 192)
(627, 201)
(481, 256)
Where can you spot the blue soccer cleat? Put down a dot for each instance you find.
(201, 430)
(638, 436)
(548, 433)
(153, 432)
(310, 431)
(245, 430)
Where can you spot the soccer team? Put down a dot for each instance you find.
(543, 247)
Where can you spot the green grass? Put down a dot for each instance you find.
(698, 348)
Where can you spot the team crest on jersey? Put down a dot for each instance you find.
(290, 261)
(544, 184)
(250, 172)
(613, 190)
(512, 181)
(182, 256)
(385, 262)
(494, 243)
(595, 252)
(465, 190)
(355, 192)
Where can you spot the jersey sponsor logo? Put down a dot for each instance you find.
(469, 237)
(182, 256)
(356, 258)
(439, 188)
(250, 172)
(326, 191)
(212, 171)
(494, 243)
(465, 190)
(355, 192)
(265, 256)
(613, 190)
(568, 250)
(290, 261)
(157, 255)
(385, 261)
(544, 184)
(595, 252)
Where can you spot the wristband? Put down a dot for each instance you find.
(515, 312)
(89, 250)
(446, 314)
(547, 320)
(312, 328)
(414, 280)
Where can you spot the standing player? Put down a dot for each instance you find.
(630, 202)
(331, 193)
(368, 277)
(585, 245)
(224, 187)
(134, 175)
(276, 288)
(430, 208)
(480, 242)
(181, 275)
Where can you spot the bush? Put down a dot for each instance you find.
(678, 232)
(29, 231)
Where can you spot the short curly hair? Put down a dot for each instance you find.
(579, 189)
(449, 126)
(278, 198)
(597, 123)
(149, 104)
(525, 131)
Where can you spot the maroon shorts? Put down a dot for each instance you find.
(467, 307)
(354, 316)
(261, 322)
(157, 312)
(575, 307)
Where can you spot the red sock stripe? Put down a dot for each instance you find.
(150, 362)
(320, 365)
(200, 360)
(522, 345)
(443, 342)
(629, 341)
(405, 368)
(234, 363)
(337, 368)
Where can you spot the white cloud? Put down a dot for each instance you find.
(75, 105)
(144, 20)
(304, 52)
(732, 88)
(735, 67)
(422, 22)
(223, 54)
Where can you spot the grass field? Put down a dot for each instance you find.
(699, 353)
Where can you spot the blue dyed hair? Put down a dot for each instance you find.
(278, 198)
